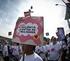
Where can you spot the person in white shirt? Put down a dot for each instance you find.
(15, 51)
(53, 50)
(5, 51)
(41, 50)
(29, 54)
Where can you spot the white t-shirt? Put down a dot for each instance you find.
(33, 57)
(53, 51)
(41, 51)
(5, 50)
(37, 49)
(15, 50)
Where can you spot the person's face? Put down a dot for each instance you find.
(27, 48)
(44, 42)
(53, 39)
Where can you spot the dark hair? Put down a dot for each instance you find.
(33, 48)
(44, 38)
(68, 0)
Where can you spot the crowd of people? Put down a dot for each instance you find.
(54, 49)
(10, 52)
(51, 50)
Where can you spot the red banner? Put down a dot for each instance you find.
(29, 30)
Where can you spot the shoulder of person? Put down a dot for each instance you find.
(37, 57)
(21, 59)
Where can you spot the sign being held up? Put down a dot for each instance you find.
(29, 29)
